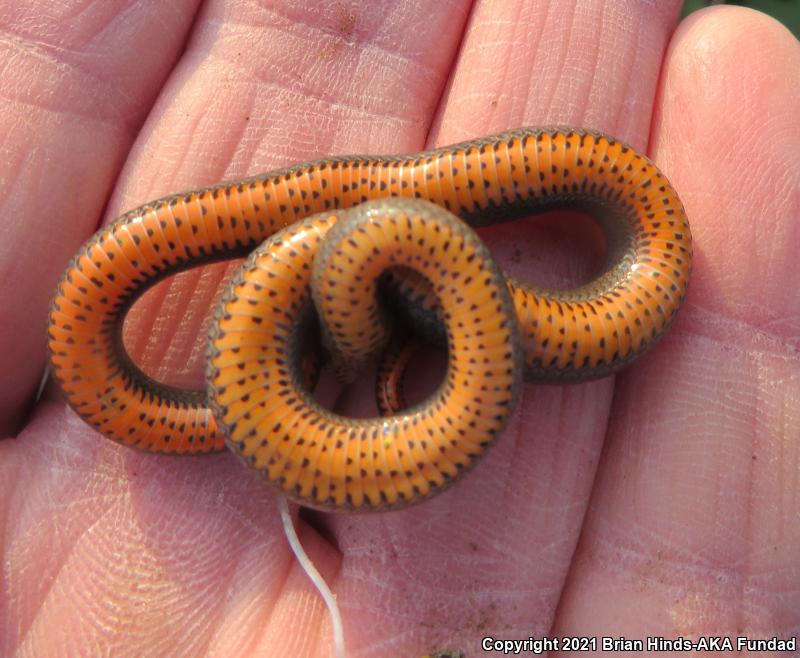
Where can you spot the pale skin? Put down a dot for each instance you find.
(664, 501)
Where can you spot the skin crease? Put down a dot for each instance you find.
(660, 502)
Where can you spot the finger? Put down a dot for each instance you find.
(490, 556)
(77, 84)
(323, 79)
(693, 524)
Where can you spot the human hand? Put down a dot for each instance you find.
(672, 487)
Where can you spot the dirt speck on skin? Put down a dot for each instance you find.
(346, 22)
(343, 31)
(485, 618)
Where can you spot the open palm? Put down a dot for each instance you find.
(665, 501)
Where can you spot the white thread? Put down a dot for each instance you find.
(316, 578)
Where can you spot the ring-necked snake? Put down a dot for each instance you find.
(257, 399)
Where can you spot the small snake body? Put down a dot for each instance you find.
(497, 328)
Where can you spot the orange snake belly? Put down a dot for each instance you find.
(498, 330)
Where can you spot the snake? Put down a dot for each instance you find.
(322, 240)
